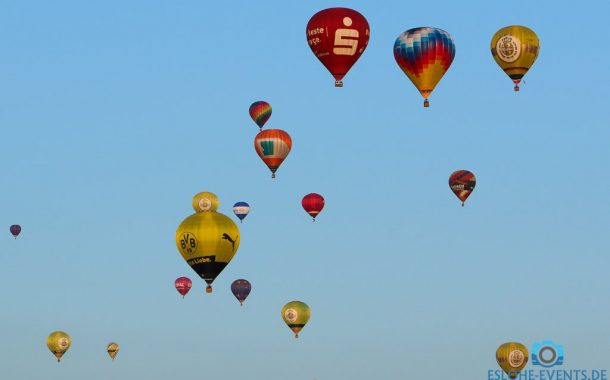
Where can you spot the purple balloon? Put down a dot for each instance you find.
(15, 230)
(241, 288)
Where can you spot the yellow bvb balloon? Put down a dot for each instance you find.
(113, 349)
(58, 342)
(207, 240)
(512, 358)
(515, 49)
(296, 314)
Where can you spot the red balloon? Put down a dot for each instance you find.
(313, 203)
(338, 37)
(183, 285)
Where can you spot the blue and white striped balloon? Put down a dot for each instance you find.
(241, 209)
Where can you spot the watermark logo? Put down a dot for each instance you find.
(547, 354)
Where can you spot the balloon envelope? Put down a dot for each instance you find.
(338, 37)
(273, 146)
(512, 358)
(313, 203)
(241, 210)
(207, 240)
(58, 343)
(424, 55)
(296, 314)
(15, 230)
(183, 285)
(241, 289)
(112, 349)
(515, 49)
(462, 183)
(260, 112)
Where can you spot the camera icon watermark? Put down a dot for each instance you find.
(547, 354)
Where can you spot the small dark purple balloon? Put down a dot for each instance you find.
(15, 230)
(241, 288)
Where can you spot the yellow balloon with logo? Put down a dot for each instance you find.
(296, 314)
(515, 49)
(207, 240)
(512, 358)
(112, 349)
(58, 342)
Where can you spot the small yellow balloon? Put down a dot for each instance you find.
(58, 342)
(296, 314)
(512, 358)
(515, 49)
(207, 240)
(113, 349)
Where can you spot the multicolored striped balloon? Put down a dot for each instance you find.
(273, 146)
(424, 54)
(260, 112)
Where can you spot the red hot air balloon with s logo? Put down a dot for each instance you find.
(338, 37)
(183, 285)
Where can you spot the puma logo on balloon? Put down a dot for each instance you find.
(226, 236)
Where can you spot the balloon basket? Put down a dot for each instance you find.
(208, 289)
(338, 83)
(272, 175)
(426, 103)
(516, 88)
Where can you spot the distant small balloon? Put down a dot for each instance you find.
(241, 210)
(15, 230)
(512, 358)
(241, 289)
(462, 183)
(296, 314)
(112, 349)
(313, 203)
(273, 146)
(260, 112)
(58, 342)
(183, 285)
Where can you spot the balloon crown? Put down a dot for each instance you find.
(205, 201)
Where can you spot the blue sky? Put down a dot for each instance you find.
(114, 115)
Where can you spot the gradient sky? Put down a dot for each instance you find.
(115, 113)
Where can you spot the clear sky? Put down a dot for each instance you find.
(115, 113)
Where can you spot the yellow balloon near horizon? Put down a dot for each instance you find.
(512, 358)
(58, 342)
(296, 314)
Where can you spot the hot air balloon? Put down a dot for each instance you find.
(241, 210)
(296, 314)
(273, 145)
(512, 358)
(15, 230)
(183, 285)
(241, 288)
(207, 240)
(424, 54)
(113, 349)
(313, 203)
(260, 112)
(462, 183)
(58, 342)
(515, 49)
(338, 37)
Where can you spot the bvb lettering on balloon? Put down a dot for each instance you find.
(183, 285)
(515, 49)
(512, 358)
(424, 55)
(260, 112)
(338, 37)
(312, 204)
(273, 146)
(207, 239)
(58, 343)
(462, 183)
(241, 289)
(296, 315)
